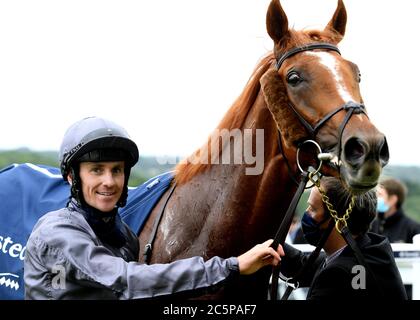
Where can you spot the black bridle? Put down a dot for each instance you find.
(307, 47)
(350, 107)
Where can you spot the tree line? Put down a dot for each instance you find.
(148, 167)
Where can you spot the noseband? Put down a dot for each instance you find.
(350, 107)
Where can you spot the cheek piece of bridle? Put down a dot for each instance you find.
(350, 108)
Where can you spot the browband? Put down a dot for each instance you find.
(311, 46)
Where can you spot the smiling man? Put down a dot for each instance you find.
(85, 250)
(103, 183)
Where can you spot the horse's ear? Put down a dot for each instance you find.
(339, 19)
(276, 21)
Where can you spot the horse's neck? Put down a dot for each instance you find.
(226, 210)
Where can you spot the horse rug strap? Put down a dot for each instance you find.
(142, 199)
(149, 245)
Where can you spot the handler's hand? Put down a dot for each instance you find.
(259, 256)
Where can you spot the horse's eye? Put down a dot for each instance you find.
(293, 78)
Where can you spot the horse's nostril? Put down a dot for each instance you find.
(384, 152)
(354, 150)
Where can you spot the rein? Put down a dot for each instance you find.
(282, 231)
(351, 108)
(293, 283)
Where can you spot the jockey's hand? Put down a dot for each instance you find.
(259, 256)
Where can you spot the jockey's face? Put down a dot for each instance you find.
(102, 183)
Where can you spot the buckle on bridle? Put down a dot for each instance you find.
(147, 249)
(357, 107)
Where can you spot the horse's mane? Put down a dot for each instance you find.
(238, 112)
(233, 119)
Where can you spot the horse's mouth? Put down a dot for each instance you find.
(331, 169)
(361, 187)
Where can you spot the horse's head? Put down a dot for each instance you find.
(313, 93)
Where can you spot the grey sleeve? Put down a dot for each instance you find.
(192, 274)
(95, 266)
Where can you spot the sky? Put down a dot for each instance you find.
(169, 70)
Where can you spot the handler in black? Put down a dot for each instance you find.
(85, 251)
(338, 274)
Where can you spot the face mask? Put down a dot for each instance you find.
(381, 206)
(310, 228)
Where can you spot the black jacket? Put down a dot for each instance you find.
(336, 279)
(397, 228)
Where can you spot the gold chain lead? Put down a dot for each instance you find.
(340, 222)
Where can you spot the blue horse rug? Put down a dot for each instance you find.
(28, 191)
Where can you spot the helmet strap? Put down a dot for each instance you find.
(76, 187)
(123, 199)
(77, 193)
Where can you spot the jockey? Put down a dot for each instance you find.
(85, 250)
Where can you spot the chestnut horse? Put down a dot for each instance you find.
(221, 205)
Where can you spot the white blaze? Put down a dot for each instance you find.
(329, 61)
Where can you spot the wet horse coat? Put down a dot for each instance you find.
(224, 203)
(219, 209)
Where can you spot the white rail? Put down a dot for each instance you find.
(407, 257)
